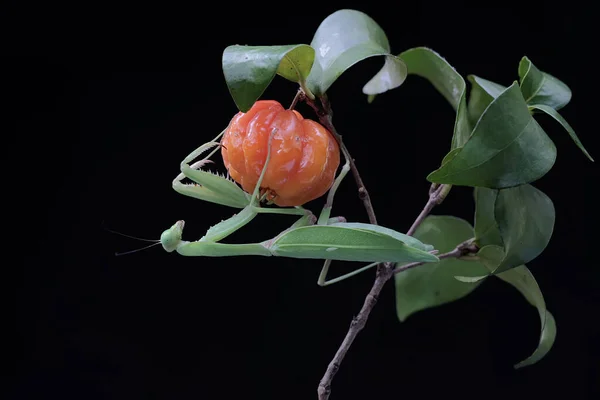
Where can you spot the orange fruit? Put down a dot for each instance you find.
(304, 155)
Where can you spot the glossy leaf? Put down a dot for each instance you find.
(432, 285)
(524, 281)
(345, 38)
(249, 70)
(348, 242)
(486, 228)
(507, 148)
(390, 76)
(559, 118)
(483, 92)
(492, 89)
(525, 218)
(428, 64)
(541, 88)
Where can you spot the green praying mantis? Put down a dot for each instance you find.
(326, 238)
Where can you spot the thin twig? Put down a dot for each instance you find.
(357, 324)
(461, 250)
(385, 270)
(437, 194)
(325, 114)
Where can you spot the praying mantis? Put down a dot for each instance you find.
(326, 238)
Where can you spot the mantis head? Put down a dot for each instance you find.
(171, 238)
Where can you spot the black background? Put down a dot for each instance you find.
(102, 103)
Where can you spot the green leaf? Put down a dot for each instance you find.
(249, 70)
(429, 65)
(518, 221)
(486, 228)
(431, 285)
(492, 89)
(541, 88)
(507, 148)
(525, 218)
(450, 155)
(559, 118)
(491, 256)
(483, 92)
(345, 38)
(524, 281)
(350, 242)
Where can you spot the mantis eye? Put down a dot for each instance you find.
(171, 238)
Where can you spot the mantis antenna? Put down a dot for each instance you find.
(155, 242)
(136, 250)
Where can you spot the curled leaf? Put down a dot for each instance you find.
(559, 118)
(542, 88)
(249, 70)
(512, 226)
(524, 281)
(429, 65)
(483, 92)
(486, 227)
(525, 218)
(345, 38)
(506, 148)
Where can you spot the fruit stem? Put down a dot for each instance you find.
(296, 99)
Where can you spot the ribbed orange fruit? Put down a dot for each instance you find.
(304, 155)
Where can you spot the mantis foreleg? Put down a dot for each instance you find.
(248, 213)
(208, 186)
(250, 210)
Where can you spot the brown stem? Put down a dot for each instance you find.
(437, 194)
(461, 250)
(325, 114)
(384, 271)
(357, 324)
